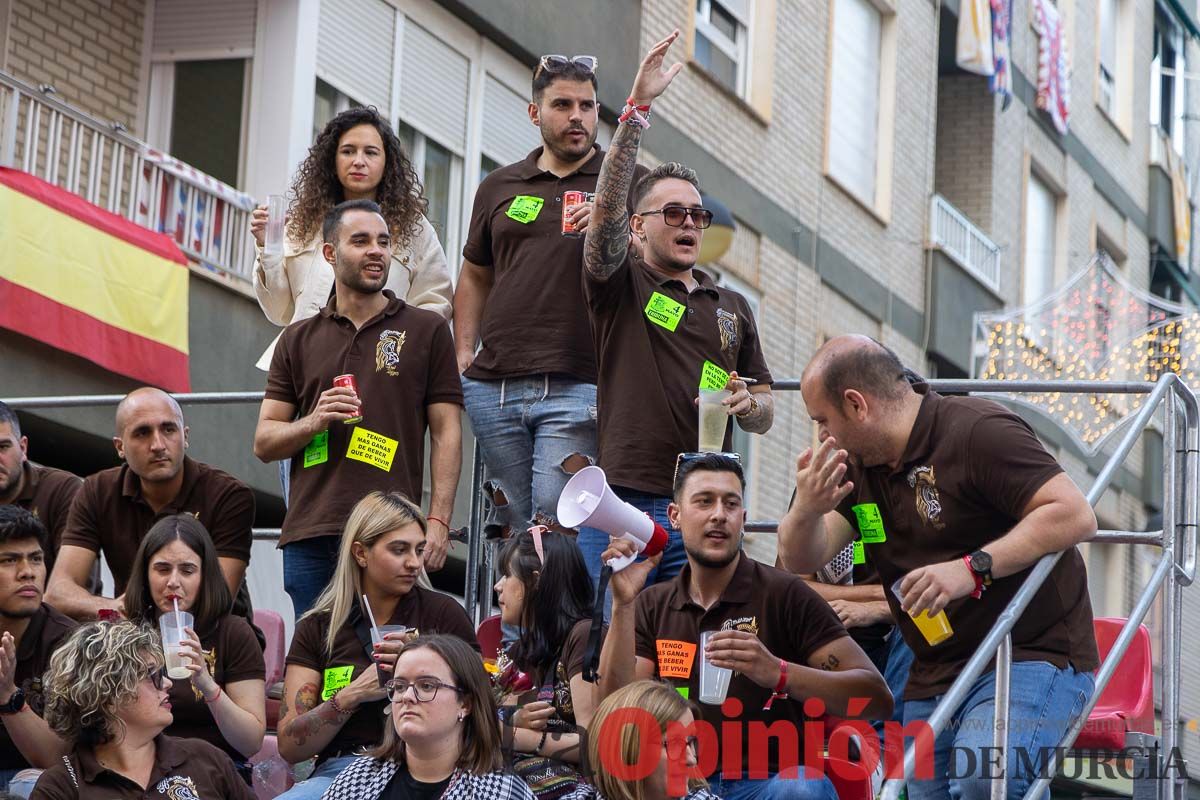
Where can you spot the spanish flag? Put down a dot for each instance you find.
(92, 283)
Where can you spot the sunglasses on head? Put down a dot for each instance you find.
(684, 458)
(556, 63)
(675, 215)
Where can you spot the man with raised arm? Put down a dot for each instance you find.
(954, 500)
(662, 328)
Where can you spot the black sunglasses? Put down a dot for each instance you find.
(556, 63)
(156, 675)
(684, 458)
(675, 215)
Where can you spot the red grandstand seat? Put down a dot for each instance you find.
(271, 624)
(851, 780)
(1127, 703)
(489, 635)
(278, 779)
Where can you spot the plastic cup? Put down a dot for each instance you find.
(384, 630)
(171, 625)
(714, 681)
(276, 210)
(714, 419)
(935, 629)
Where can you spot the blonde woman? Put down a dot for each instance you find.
(334, 699)
(108, 695)
(624, 742)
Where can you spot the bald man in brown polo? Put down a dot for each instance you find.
(956, 499)
(116, 507)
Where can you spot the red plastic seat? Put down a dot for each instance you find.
(271, 624)
(851, 780)
(489, 635)
(1127, 703)
(279, 779)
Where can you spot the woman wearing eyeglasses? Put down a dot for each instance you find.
(544, 590)
(622, 742)
(442, 740)
(334, 701)
(224, 702)
(108, 695)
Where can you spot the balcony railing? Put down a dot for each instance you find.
(956, 236)
(106, 166)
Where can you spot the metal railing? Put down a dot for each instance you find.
(960, 239)
(1175, 570)
(106, 166)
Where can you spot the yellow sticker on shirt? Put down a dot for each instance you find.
(870, 523)
(675, 658)
(664, 312)
(372, 448)
(336, 679)
(712, 377)
(524, 208)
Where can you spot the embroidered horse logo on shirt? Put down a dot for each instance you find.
(727, 324)
(387, 351)
(929, 504)
(177, 787)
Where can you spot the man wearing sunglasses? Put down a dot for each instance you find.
(663, 329)
(530, 390)
(784, 642)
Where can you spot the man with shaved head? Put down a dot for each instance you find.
(116, 507)
(955, 500)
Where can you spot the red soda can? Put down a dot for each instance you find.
(571, 199)
(349, 382)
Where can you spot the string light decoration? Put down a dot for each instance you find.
(1096, 327)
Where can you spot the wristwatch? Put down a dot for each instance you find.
(980, 564)
(15, 703)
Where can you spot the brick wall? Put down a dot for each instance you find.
(89, 50)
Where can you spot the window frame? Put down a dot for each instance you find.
(737, 51)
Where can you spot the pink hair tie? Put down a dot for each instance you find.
(536, 532)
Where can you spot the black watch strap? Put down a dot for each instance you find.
(15, 703)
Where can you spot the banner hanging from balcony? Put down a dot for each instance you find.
(91, 283)
(1096, 327)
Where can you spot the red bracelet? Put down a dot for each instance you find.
(978, 593)
(215, 698)
(642, 109)
(779, 692)
(432, 518)
(341, 712)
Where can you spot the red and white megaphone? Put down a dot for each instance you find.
(588, 500)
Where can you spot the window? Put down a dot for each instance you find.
(722, 34)
(206, 120)
(1108, 56)
(1166, 79)
(438, 170)
(854, 112)
(487, 166)
(1041, 222)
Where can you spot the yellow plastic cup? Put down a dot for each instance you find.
(935, 629)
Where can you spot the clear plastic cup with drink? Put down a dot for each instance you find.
(935, 629)
(384, 630)
(714, 681)
(172, 625)
(714, 420)
(276, 211)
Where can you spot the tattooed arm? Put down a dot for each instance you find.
(842, 676)
(607, 237)
(310, 724)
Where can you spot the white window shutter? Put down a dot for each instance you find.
(854, 105)
(508, 135)
(434, 86)
(215, 26)
(1041, 211)
(355, 39)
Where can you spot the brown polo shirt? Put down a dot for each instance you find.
(422, 609)
(183, 768)
(110, 515)
(233, 654)
(535, 320)
(653, 338)
(969, 469)
(789, 618)
(47, 493)
(403, 361)
(47, 629)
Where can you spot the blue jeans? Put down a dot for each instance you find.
(321, 779)
(527, 428)
(308, 566)
(776, 787)
(1043, 702)
(892, 658)
(592, 543)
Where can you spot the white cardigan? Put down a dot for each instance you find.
(296, 285)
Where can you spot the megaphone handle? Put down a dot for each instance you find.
(591, 655)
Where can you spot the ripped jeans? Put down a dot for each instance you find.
(534, 432)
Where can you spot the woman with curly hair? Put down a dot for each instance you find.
(356, 156)
(108, 696)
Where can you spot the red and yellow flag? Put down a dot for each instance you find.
(92, 283)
